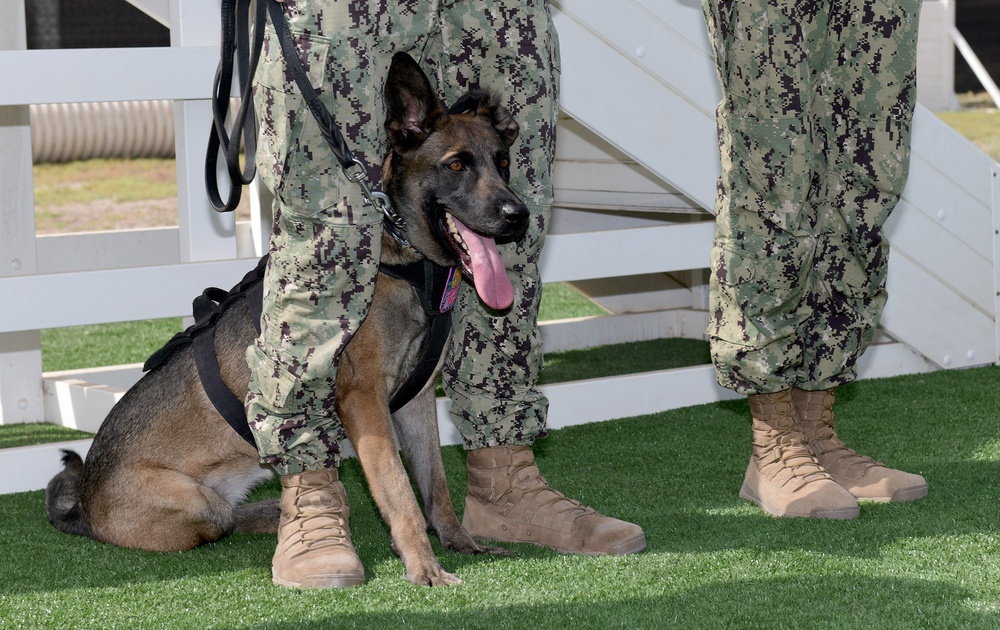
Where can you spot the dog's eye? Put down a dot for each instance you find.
(504, 163)
(456, 165)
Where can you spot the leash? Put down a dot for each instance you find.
(236, 46)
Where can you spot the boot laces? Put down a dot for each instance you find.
(535, 489)
(830, 446)
(789, 448)
(320, 522)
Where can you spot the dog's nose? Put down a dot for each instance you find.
(515, 214)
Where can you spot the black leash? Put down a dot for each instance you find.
(236, 45)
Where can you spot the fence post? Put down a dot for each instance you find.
(995, 179)
(204, 233)
(20, 352)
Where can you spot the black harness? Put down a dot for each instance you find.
(436, 287)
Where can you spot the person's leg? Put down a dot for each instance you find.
(867, 100)
(324, 253)
(510, 47)
(766, 55)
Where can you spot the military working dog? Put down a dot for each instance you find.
(166, 472)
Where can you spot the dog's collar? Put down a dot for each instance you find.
(393, 230)
(436, 286)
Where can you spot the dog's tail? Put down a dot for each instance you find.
(62, 497)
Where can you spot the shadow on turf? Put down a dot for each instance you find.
(771, 602)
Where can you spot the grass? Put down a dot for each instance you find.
(98, 345)
(980, 126)
(116, 180)
(14, 435)
(713, 561)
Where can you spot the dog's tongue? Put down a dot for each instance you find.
(488, 273)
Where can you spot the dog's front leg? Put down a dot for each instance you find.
(417, 427)
(365, 415)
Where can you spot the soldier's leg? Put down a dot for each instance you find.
(324, 248)
(867, 103)
(765, 56)
(510, 46)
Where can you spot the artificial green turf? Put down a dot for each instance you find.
(713, 561)
(561, 301)
(76, 347)
(623, 358)
(12, 435)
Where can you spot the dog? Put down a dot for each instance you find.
(166, 472)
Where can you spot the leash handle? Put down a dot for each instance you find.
(235, 46)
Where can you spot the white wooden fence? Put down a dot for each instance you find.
(636, 173)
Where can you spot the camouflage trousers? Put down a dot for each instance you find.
(814, 133)
(325, 243)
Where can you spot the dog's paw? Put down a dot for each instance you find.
(496, 551)
(458, 539)
(433, 576)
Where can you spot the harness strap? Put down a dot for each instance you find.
(225, 401)
(430, 355)
(437, 287)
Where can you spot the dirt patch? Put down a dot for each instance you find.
(105, 214)
(99, 195)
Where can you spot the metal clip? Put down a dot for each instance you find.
(356, 174)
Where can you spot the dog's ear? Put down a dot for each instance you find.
(484, 103)
(412, 107)
(505, 125)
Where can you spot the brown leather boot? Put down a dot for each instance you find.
(509, 500)
(862, 476)
(783, 476)
(314, 537)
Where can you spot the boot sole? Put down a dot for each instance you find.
(839, 514)
(633, 545)
(324, 582)
(899, 496)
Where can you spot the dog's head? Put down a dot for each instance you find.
(447, 174)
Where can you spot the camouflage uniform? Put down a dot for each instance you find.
(814, 131)
(325, 243)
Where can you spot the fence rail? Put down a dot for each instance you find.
(638, 202)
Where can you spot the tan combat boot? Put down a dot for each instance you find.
(783, 476)
(862, 476)
(314, 537)
(508, 500)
